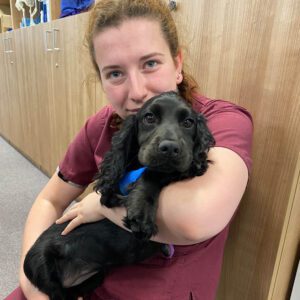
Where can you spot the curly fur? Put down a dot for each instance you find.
(168, 137)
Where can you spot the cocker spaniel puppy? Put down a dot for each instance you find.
(165, 141)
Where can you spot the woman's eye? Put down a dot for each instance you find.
(149, 118)
(188, 123)
(151, 64)
(114, 74)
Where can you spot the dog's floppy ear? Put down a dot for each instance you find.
(75, 272)
(124, 148)
(203, 142)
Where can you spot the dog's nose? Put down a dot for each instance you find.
(169, 148)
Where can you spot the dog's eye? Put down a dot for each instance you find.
(188, 123)
(149, 118)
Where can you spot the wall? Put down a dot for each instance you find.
(249, 52)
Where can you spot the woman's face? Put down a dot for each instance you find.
(135, 64)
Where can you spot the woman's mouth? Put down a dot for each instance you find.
(132, 111)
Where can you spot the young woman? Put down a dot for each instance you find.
(135, 51)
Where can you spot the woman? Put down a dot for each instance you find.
(135, 51)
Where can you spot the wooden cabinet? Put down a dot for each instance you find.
(47, 95)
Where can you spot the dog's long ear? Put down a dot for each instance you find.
(77, 271)
(124, 148)
(204, 140)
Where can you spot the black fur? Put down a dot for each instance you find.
(168, 137)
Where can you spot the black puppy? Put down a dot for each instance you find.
(167, 137)
(172, 141)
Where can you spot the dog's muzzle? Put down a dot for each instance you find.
(169, 149)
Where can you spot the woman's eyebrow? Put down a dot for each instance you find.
(110, 67)
(145, 57)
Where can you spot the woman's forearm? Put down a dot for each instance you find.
(41, 216)
(48, 206)
(168, 232)
(196, 209)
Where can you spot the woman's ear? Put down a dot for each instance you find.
(178, 64)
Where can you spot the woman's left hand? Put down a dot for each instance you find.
(88, 210)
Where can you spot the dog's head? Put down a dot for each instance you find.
(171, 135)
(166, 135)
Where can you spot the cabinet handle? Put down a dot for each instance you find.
(47, 34)
(7, 45)
(10, 43)
(5, 40)
(56, 35)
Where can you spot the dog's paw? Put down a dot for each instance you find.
(142, 229)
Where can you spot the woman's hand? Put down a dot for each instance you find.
(88, 210)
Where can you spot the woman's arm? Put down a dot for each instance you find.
(197, 209)
(48, 206)
(189, 211)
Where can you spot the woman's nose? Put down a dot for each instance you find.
(137, 87)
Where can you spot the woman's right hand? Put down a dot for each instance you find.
(88, 210)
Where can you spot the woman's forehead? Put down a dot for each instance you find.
(134, 36)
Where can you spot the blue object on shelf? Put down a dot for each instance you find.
(25, 22)
(45, 12)
(73, 7)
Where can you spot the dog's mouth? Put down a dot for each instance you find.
(168, 158)
(180, 164)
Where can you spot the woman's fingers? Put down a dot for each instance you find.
(73, 224)
(71, 214)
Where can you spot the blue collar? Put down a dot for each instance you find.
(128, 178)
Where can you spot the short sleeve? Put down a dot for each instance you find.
(233, 130)
(80, 164)
(230, 124)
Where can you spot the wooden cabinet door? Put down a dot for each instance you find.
(12, 101)
(4, 112)
(27, 79)
(30, 93)
(73, 99)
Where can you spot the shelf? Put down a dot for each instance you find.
(8, 8)
(5, 18)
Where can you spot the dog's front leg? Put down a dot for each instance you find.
(141, 204)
